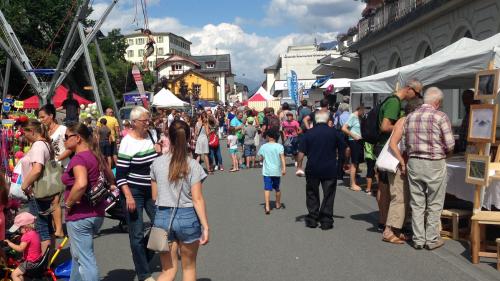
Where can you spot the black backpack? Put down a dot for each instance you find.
(370, 130)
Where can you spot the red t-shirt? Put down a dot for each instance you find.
(290, 128)
(34, 249)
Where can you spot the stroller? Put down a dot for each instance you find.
(115, 211)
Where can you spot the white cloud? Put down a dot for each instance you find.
(250, 52)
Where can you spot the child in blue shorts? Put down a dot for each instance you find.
(274, 167)
(232, 144)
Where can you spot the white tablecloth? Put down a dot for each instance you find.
(462, 190)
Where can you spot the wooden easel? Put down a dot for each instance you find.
(481, 218)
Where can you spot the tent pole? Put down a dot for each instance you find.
(108, 84)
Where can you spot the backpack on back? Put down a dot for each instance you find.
(370, 130)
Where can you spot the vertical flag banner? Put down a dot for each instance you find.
(140, 85)
(293, 86)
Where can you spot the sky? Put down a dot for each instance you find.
(253, 32)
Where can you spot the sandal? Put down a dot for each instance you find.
(354, 189)
(403, 237)
(393, 239)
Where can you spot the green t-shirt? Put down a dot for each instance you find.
(369, 151)
(391, 109)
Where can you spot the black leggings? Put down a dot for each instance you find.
(370, 171)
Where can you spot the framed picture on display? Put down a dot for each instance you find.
(482, 123)
(477, 169)
(487, 84)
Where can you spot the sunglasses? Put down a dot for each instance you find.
(416, 92)
(66, 137)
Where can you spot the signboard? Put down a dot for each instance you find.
(140, 85)
(293, 86)
(133, 99)
(19, 104)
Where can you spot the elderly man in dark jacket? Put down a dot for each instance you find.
(320, 144)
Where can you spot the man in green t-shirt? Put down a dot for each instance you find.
(389, 113)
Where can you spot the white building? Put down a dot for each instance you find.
(301, 59)
(405, 31)
(167, 44)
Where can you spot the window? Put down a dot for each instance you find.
(197, 88)
(160, 51)
(160, 39)
(139, 41)
(141, 53)
(130, 53)
(130, 42)
(210, 64)
(177, 66)
(151, 64)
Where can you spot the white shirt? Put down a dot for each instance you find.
(170, 119)
(58, 144)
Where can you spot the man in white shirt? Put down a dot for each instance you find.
(171, 117)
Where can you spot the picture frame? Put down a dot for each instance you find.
(486, 86)
(482, 123)
(477, 169)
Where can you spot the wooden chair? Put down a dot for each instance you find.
(479, 221)
(454, 215)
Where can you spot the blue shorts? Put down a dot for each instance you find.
(43, 223)
(271, 183)
(250, 150)
(186, 226)
(291, 146)
(233, 151)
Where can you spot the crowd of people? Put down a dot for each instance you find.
(158, 161)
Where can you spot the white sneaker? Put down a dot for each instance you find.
(300, 173)
(216, 168)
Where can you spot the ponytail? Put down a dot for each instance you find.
(37, 127)
(179, 135)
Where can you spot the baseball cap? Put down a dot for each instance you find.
(22, 219)
(250, 120)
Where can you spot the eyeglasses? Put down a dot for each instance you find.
(143, 120)
(66, 137)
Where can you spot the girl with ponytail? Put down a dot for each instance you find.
(176, 181)
(83, 220)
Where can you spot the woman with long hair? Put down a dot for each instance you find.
(137, 151)
(201, 131)
(177, 182)
(215, 153)
(83, 220)
(47, 115)
(32, 167)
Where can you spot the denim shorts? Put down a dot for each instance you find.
(233, 151)
(271, 183)
(186, 226)
(43, 223)
(250, 150)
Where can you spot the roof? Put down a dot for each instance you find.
(275, 66)
(138, 34)
(175, 58)
(222, 63)
(197, 73)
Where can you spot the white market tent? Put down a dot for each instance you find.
(338, 83)
(165, 98)
(452, 67)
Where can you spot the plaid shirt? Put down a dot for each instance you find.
(428, 134)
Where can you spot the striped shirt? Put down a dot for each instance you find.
(428, 134)
(134, 160)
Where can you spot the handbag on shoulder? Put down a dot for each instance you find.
(98, 192)
(49, 183)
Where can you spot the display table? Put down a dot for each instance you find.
(462, 190)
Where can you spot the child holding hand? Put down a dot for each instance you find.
(274, 167)
(30, 244)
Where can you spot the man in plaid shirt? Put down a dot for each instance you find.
(428, 139)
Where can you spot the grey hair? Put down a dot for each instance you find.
(136, 112)
(432, 95)
(414, 83)
(344, 107)
(321, 117)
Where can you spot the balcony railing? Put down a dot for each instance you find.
(387, 14)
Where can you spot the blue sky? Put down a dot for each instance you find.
(254, 32)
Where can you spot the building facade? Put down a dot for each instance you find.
(174, 66)
(217, 68)
(167, 44)
(195, 83)
(402, 32)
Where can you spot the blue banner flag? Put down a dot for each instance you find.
(293, 86)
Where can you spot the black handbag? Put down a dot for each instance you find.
(98, 192)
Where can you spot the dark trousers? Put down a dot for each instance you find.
(143, 202)
(324, 212)
(341, 160)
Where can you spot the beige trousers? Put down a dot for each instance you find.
(427, 191)
(398, 208)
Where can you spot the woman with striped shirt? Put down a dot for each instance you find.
(137, 151)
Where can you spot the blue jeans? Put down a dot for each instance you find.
(81, 234)
(216, 156)
(43, 223)
(143, 201)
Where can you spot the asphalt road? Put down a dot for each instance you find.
(248, 245)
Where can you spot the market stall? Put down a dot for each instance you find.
(165, 98)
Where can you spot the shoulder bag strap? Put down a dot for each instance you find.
(151, 138)
(175, 209)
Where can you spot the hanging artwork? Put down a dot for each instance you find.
(482, 123)
(477, 169)
(487, 84)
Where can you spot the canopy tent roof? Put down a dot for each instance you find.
(165, 98)
(58, 98)
(261, 95)
(454, 66)
(337, 83)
